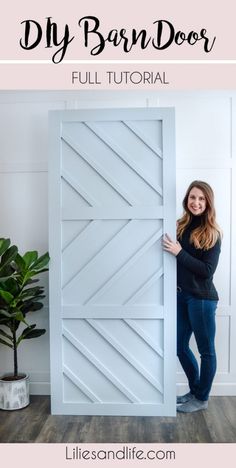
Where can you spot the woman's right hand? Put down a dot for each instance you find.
(170, 246)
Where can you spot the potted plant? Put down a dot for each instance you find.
(18, 296)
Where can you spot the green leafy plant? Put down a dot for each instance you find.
(19, 295)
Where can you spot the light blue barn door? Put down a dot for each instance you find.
(112, 288)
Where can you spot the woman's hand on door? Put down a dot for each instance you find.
(171, 246)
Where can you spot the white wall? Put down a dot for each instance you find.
(205, 149)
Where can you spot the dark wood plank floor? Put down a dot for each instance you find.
(36, 424)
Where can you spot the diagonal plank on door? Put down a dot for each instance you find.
(99, 169)
(125, 156)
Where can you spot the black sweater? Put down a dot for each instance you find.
(195, 267)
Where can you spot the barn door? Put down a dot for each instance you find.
(112, 289)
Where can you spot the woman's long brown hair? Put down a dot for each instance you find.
(206, 235)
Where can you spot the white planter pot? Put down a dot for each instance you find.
(14, 394)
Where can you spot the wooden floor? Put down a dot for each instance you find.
(36, 424)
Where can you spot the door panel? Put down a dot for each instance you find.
(112, 288)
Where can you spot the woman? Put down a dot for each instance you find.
(197, 252)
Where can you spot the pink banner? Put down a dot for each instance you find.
(90, 30)
(119, 455)
(76, 76)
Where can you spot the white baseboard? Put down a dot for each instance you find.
(40, 388)
(39, 383)
(218, 389)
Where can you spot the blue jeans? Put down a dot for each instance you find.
(197, 316)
